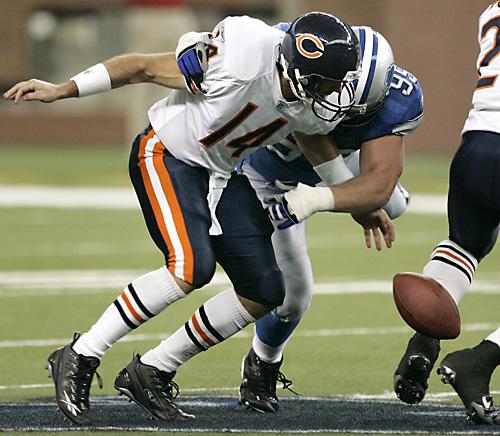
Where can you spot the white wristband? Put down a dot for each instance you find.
(334, 172)
(306, 200)
(92, 81)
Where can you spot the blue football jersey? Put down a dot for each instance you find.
(401, 113)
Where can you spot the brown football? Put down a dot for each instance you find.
(426, 306)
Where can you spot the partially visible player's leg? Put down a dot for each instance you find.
(261, 366)
(178, 226)
(180, 229)
(245, 252)
(274, 329)
(473, 217)
(469, 372)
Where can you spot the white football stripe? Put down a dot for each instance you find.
(165, 209)
(245, 334)
(367, 56)
(88, 197)
(72, 282)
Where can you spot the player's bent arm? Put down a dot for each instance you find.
(381, 166)
(161, 69)
(323, 154)
(381, 163)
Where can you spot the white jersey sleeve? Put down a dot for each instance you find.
(485, 114)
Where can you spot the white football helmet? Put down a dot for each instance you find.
(377, 66)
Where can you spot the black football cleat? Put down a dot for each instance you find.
(258, 385)
(72, 374)
(469, 372)
(151, 389)
(410, 379)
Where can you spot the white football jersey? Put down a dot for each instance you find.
(243, 107)
(485, 114)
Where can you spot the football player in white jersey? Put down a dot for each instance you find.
(388, 106)
(246, 85)
(473, 220)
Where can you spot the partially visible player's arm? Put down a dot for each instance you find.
(381, 163)
(126, 69)
(159, 68)
(363, 196)
(324, 155)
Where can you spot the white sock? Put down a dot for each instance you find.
(453, 267)
(266, 352)
(494, 337)
(219, 318)
(142, 299)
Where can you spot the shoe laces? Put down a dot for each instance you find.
(167, 387)
(81, 374)
(271, 375)
(286, 382)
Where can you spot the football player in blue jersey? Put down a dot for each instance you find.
(388, 105)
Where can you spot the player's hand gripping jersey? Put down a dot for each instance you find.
(401, 113)
(243, 107)
(485, 114)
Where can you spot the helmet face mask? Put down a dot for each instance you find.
(319, 57)
(334, 105)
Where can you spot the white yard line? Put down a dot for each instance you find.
(74, 282)
(124, 198)
(71, 282)
(354, 331)
(67, 197)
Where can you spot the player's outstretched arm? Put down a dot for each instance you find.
(126, 69)
(35, 89)
(159, 68)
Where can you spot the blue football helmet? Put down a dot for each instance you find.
(319, 57)
(373, 86)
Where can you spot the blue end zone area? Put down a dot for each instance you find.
(223, 414)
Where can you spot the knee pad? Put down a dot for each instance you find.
(291, 311)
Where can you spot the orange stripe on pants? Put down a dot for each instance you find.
(160, 221)
(180, 226)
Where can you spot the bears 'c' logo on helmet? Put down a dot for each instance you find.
(309, 46)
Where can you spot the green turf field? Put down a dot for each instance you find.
(348, 343)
